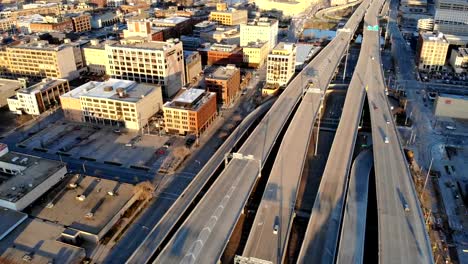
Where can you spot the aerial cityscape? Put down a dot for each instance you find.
(240, 131)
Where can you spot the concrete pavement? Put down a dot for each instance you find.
(351, 249)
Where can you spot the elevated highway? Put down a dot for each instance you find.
(206, 232)
(402, 233)
(322, 234)
(276, 210)
(353, 232)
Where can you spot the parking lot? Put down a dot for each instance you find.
(106, 145)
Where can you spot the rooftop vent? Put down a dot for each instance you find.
(121, 92)
(108, 88)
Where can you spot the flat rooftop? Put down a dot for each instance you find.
(262, 22)
(10, 220)
(34, 171)
(170, 20)
(189, 96)
(221, 72)
(191, 99)
(153, 45)
(39, 240)
(67, 210)
(8, 85)
(461, 52)
(283, 46)
(133, 91)
(256, 44)
(43, 85)
(433, 37)
(40, 45)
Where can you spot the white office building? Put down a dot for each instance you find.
(259, 30)
(281, 64)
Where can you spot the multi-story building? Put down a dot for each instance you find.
(261, 29)
(81, 23)
(40, 60)
(95, 56)
(142, 29)
(115, 3)
(38, 98)
(193, 65)
(255, 53)
(281, 63)
(228, 35)
(228, 17)
(174, 27)
(459, 60)
(7, 24)
(451, 17)
(65, 25)
(431, 51)
(43, 10)
(191, 112)
(151, 62)
(224, 81)
(222, 54)
(113, 102)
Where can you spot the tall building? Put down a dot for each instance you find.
(281, 64)
(451, 17)
(192, 112)
(40, 60)
(228, 16)
(151, 62)
(431, 51)
(255, 53)
(225, 82)
(38, 98)
(113, 102)
(261, 29)
(193, 65)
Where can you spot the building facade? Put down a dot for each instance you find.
(431, 52)
(95, 56)
(281, 64)
(451, 17)
(259, 30)
(81, 23)
(152, 62)
(228, 17)
(459, 60)
(193, 65)
(222, 54)
(113, 102)
(38, 98)
(66, 25)
(190, 113)
(255, 53)
(40, 60)
(225, 82)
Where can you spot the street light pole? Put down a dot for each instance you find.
(427, 177)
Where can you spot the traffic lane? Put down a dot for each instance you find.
(202, 225)
(280, 191)
(390, 166)
(355, 212)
